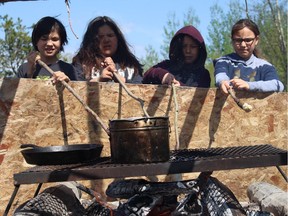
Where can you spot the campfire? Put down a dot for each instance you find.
(205, 195)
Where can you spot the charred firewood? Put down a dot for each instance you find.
(98, 209)
(139, 205)
(129, 187)
(54, 201)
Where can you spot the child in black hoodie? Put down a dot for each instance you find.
(185, 67)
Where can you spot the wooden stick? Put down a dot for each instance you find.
(176, 117)
(175, 177)
(96, 117)
(242, 105)
(130, 93)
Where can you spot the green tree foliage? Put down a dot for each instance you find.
(271, 17)
(150, 59)
(219, 30)
(170, 29)
(14, 47)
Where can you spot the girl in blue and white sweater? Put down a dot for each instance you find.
(243, 69)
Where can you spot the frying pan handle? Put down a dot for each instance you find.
(29, 146)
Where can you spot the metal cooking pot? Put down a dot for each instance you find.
(139, 139)
(57, 155)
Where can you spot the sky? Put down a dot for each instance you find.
(141, 22)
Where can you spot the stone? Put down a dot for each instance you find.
(269, 197)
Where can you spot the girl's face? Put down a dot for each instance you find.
(49, 45)
(244, 42)
(108, 41)
(190, 50)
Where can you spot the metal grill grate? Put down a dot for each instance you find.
(181, 161)
(239, 151)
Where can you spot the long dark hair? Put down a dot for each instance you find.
(44, 27)
(242, 23)
(90, 54)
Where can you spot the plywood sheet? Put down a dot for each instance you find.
(34, 111)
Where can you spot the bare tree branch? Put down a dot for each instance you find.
(68, 11)
(277, 19)
(247, 14)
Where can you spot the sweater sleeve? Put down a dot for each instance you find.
(154, 75)
(266, 86)
(221, 69)
(269, 80)
(205, 80)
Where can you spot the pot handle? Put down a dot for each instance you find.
(24, 146)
